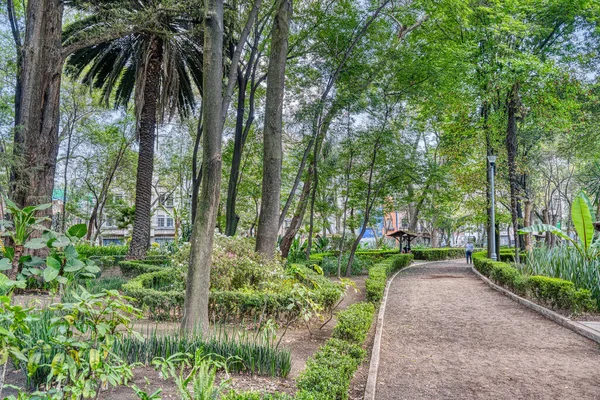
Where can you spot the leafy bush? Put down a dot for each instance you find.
(233, 395)
(235, 264)
(555, 293)
(163, 293)
(329, 371)
(436, 254)
(135, 268)
(329, 265)
(354, 322)
(378, 274)
(87, 250)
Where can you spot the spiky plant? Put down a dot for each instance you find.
(152, 53)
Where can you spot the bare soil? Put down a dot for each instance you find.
(447, 335)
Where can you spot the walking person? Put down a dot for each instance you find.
(469, 252)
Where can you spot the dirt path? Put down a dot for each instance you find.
(449, 336)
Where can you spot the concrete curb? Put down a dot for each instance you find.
(371, 386)
(551, 315)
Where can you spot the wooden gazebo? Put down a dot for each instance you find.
(403, 236)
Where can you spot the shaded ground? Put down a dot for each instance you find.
(447, 335)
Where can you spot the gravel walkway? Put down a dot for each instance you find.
(449, 336)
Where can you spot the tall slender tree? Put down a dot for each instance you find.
(268, 223)
(198, 277)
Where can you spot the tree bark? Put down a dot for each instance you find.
(146, 131)
(368, 206)
(511, 150)
(296, 223)
(268, 222)
(37, 106)
(198, 277)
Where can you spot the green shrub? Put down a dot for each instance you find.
(86, 250)
(354, 322)
(555, 293)
(329, 265)
(135, 268)
(378, 274)
(436, 254)
(329, 371)
(162, 293)
(233, 395)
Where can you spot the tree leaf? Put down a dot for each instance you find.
(77, 231)
(53, 263)
(5, 264)
(36, 244)
(582, 219)
(71, 252)
(50, 274)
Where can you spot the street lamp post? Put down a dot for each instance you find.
(492, 160)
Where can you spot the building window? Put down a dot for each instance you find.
(165, 200)
(161, 221)
(110, 222)
(112, 242)
(169, 222)
(405, 222)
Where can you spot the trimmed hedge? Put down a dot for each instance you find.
(435, 254)
(138, 267)
(87, 250)
(555, 293)
(328, 373)
(354, 322)
(379, 273)
(373, 255)
(162, 293)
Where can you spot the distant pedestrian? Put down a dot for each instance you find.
(469, 252)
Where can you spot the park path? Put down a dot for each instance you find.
(447, 335)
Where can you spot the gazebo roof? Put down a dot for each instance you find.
(406, 234)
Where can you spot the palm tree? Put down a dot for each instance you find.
(153, 53)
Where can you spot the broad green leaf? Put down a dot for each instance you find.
(582, 219)
(70, 252)
(61, 241)
(53, 263)
(50, 274)
(35, 260)
(36, 244)
(5, 264)
(77, 231)
(545, 228)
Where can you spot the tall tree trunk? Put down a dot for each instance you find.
(198, 277)
(296, 223)
(346, 196)
(268, 222)
(196, 175)
(231, 217)
(65, 180)
(37, 109)
(368, 206)
(512, 151)
(527, 222)
(146, 129)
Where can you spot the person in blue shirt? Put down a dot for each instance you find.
(469, 252)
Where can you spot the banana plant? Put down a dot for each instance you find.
(583, 216)
(20, 228)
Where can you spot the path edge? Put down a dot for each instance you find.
(551, 315)
(371, 386)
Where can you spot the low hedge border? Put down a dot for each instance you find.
(329, 371)
(379, 273)
(554, 293)
(163, 295)
(373, 255)
(436, 254)
(138, 267)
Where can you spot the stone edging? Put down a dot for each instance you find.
(371, 386)
(559, 319)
